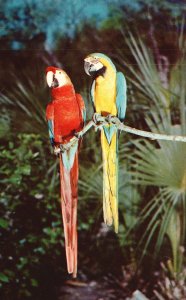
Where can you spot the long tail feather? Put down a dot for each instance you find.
(110, 180)
(74, 187)
(69, 183)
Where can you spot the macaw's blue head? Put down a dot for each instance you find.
(96, 64)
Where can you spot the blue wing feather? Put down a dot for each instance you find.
(84, 115)
(69, 156)
(51, 131)
(121, 95)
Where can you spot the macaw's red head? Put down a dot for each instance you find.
(56, 77)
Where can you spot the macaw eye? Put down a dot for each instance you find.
(59, 72)
(96, 60)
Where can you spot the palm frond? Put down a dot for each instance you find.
(26, 100)
(160, 164)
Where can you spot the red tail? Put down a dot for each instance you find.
(69, 197)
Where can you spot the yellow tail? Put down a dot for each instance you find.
(110, 180)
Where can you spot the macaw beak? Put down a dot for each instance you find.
(92, 65)
(87, 65)
(51, 80)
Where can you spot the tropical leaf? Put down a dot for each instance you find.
(25, 102)
(160, 164)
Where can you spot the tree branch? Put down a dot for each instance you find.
(100, 121)
(153, 136)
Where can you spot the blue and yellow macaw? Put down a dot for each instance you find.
(108, 94)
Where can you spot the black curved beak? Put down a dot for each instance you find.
(87, 66)
(55, 82)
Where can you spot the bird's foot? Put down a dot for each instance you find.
(64, 147)
(78, 135)
(99, 120)
(111, 119)
(57, 150)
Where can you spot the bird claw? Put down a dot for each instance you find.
(111, 119)
(98, 119)
(60, 149)
(63, 148)
(57, 150)
(78, 135)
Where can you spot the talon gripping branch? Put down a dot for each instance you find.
(66, 115)
(108, 95)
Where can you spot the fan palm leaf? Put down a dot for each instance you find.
(160, 164)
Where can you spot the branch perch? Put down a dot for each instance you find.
(100, 121)
(151, 135)
(121, 126)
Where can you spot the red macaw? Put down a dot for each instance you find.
(66, 116)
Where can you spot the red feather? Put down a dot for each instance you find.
(69, 198)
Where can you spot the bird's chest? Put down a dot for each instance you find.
(105, 97)
(66, 118)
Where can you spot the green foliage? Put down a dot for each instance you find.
(161, 164)
(4, 123)
(30, 219)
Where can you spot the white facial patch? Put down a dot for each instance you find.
(92, 64)
(61, 78)
(96, 66)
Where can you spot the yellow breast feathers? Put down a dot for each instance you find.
(105, 91)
